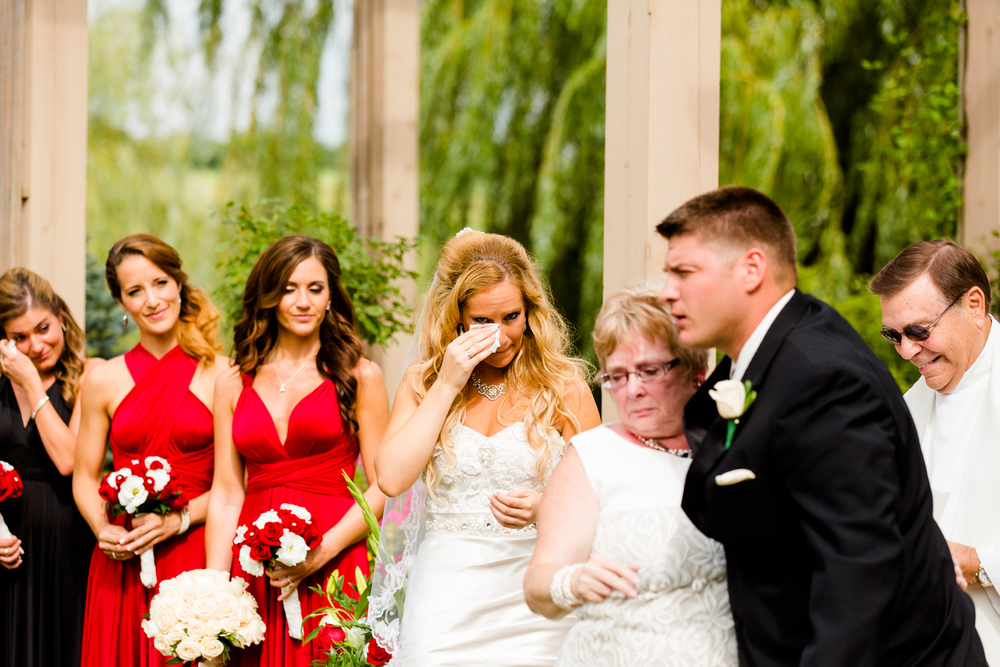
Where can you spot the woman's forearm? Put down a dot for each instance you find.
(537, 587)
(220, 529)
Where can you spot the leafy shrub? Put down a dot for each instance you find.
(103, 323)
(371, 268)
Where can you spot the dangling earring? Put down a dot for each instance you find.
(125, 321)
(64, 327)
(328, 307)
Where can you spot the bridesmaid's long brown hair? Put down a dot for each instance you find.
(339, 348)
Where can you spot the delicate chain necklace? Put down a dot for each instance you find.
(491, 391)
(281, 383)
(653, 444)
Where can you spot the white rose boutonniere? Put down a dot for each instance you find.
(732, 398)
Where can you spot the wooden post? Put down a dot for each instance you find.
(981, 215)
(662, 127)
(385, 103)
(43, 142)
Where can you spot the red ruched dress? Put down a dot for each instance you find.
(307, 471)
(159, 417)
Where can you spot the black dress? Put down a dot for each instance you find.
(42, 601)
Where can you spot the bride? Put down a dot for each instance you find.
(482, 416)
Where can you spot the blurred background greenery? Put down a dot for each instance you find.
(845, 111)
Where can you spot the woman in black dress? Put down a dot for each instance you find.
(44, 565)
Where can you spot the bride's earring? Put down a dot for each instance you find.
(125, 321)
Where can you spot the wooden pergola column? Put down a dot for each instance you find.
(43, 142)
(384, 111)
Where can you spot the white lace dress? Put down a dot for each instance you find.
(681, 616)
(464, 602)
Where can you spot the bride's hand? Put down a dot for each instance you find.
(600, 575)
(516, 509)
(10, 552)
(289, 578)
(463, 355)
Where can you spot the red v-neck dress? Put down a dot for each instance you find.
(307, 471)
(159, 417)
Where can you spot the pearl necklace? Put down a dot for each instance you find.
(653, 444)
(281, 385)
(491, 391)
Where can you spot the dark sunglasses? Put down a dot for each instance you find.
(915, 332)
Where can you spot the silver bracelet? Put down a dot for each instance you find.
(42, 401)
(185, 521)
(561, 588)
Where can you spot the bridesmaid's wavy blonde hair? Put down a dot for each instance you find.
(542, 371)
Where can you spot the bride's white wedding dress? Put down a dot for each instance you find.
(464, 602)
(681, 616)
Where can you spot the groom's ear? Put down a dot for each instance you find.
(753, 269)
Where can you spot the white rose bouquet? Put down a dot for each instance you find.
(284, 536)
(201, 615)
(141, 488)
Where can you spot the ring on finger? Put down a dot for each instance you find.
(470, 352)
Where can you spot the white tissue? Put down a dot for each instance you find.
(496, 333)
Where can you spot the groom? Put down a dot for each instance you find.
(815, 484)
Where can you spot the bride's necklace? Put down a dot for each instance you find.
(653, 444)
(281, 384)
(491, 391)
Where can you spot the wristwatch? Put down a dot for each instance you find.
(984, 579)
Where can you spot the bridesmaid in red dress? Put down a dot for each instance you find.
(304, 403)
(152, 401)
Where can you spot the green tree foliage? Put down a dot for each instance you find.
(370, 268)
(104, 316)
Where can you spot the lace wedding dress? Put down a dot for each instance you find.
(464, 601)
(681, 616)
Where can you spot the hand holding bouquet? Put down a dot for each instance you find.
(202, 615)
(143, 488)
(10, 487)
(284, 536)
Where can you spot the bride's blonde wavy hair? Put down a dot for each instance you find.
(542, 371)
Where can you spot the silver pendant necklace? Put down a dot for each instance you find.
(491, 391)
(281, 385)
(653, 444)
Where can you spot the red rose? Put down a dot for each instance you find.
(155, 464)
(329, 636)
(107, 492)
(311, 535)
(250, 536)
(177, 502)
(271, 533)
(10, 484)
(117, 478)
(260, 551)
(150, 485)
(376, 654)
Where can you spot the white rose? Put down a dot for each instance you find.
(160, 479)
(267, 517)
(121, 471)
(163, 617)
(730, 398)
(300, 512)
(185, 612)
(355, 637)
(175, 634)
(205, 608)
(211, 647)
(293, 549)
(6, 466)
(153, 459)
(238, 584)
(227, 604)
(249, 565)
(188, 650)
(244, 615)
(241, 533)
(161, 645)
(132, 494)
(254, 631)
(196, 629)
(230, 625)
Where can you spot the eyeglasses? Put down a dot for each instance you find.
(915, 332)
(651, 373)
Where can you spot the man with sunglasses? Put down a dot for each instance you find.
(813, 480)
(935, 299)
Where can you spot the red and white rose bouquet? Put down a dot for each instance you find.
(202, 615)
(10, 487)
(143, 488)
(284, 536)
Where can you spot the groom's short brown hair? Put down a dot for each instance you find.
(741, 218)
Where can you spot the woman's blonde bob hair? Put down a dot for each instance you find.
(541, 374)
(635, 312)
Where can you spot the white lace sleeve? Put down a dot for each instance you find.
(403, 527)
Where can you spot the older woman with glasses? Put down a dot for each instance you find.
(613, 542)
(935, 300)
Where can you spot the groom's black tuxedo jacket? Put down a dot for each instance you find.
(833, 554)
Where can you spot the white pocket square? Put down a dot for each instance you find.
(734, 477)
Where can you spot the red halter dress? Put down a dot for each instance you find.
(159, 417)
(307, 471)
